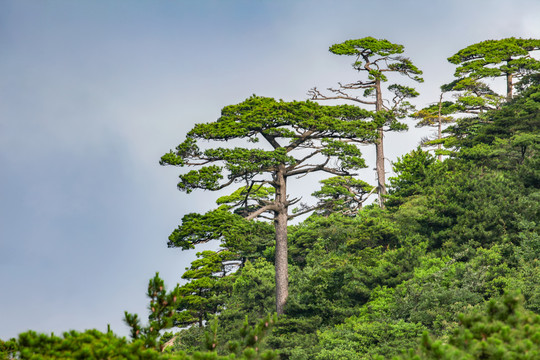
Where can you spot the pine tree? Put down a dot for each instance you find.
(376, 59)
(342, 194)
(301, 138)
(162, 309)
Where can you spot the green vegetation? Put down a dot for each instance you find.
(510, 58)
(448, 269)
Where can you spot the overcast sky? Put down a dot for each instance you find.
(92, 93)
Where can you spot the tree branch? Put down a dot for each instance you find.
(271, 140)
(305, 211)
(321, 167)
(253, 215)
(298, 162)
(317, 95)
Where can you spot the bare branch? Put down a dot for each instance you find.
(317, 95)
(368, 195)
(197, 163)
(293, 201)
(253, 215)
(321, 167)
(305, 211)
(298, 162)
(357, 85)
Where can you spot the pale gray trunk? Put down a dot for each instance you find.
(439, 133)
(379, 149)
(280, 224)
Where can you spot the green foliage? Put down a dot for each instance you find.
(162, 307)
(329, 232)
(370, 333)
(368, 47)
(257, 118)
(242, 196)
(401, 108)
(348, 154)
(429, 116)
(520, 116)
(377, 58)
(252, 293)
(8, 349)
(442, 287)
(508, 57)
(207, 287)
(90, 344)
(412, 170)
(251, 345)
(333, 284)
(304, 137)
(504, 330)
(343, 194)
(370, 54)
(473, 96)
(218, 224)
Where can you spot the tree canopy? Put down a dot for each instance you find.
(510, 58)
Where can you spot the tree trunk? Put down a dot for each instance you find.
(439, 132)
(280, 224)
(379, 164)
(379, 149)
(509, 86)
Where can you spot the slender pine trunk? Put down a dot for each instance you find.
(280, 224)
(439, 132)
(379, 149)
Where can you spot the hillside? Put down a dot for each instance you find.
(454, 237)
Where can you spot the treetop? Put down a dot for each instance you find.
(386, 51)
(367, 46)
(512, 52)
(495, 51)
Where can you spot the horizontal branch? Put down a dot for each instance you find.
(319, 168)
(298, 162)
(317, 95)
(357, 85)
(253, 215)
(206, 161)
(305, 211)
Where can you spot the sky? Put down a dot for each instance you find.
(92, 93)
